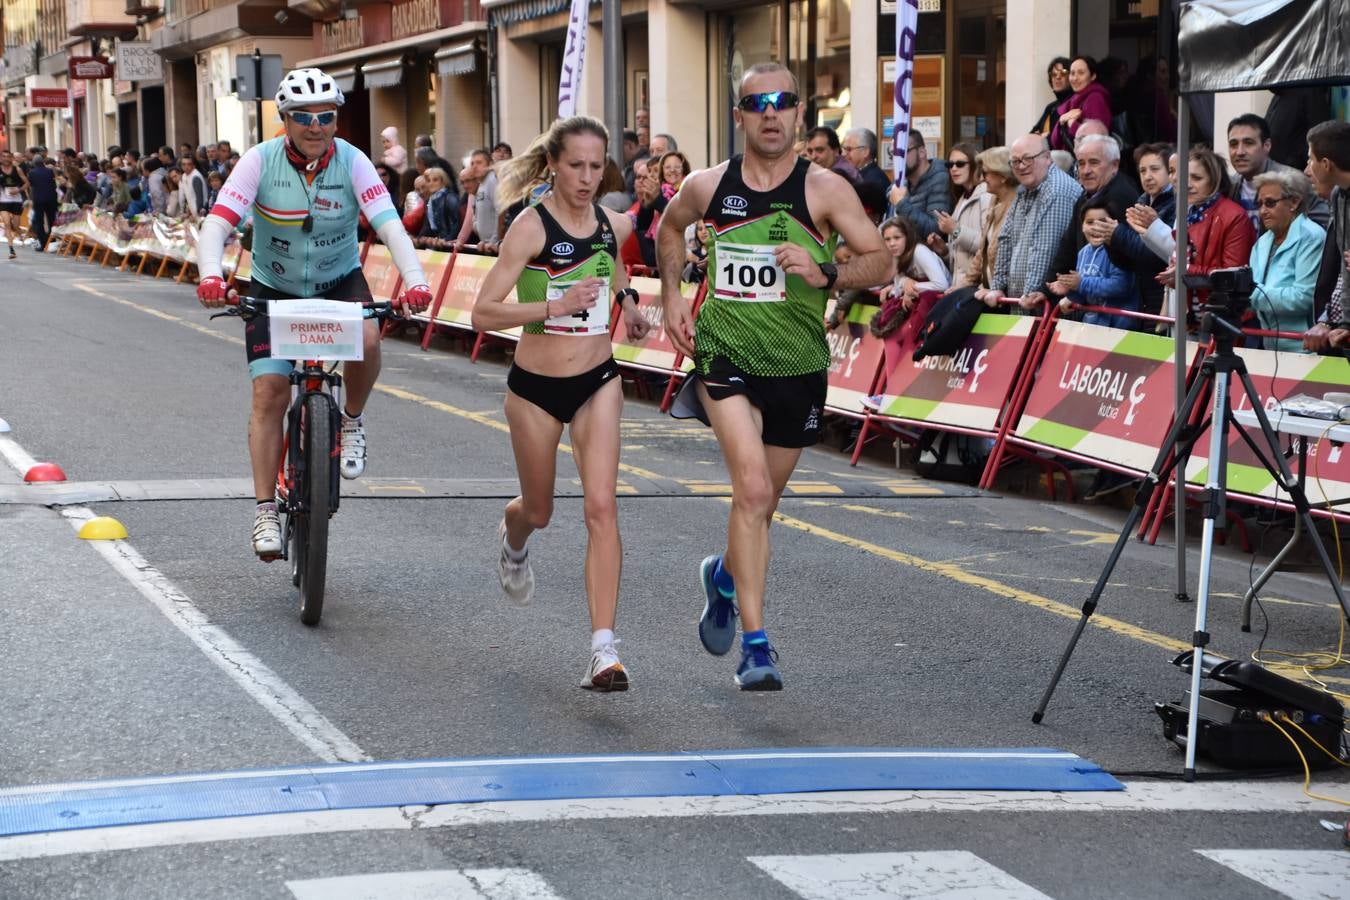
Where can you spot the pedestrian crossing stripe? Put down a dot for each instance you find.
(886, 876)
(1298, 874)
(443, 884)
(928, 874)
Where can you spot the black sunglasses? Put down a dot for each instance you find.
(779, 100)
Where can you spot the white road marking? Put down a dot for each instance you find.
(1139, 797)
(294, 712)
(436, 884)
(16, 456)
(1300, 874)
(930, 875)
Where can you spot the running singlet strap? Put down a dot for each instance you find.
(563, 262)
(763, 320)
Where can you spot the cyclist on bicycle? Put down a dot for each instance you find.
(307, 189)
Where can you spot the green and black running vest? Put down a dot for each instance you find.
(764, 321)
(564, 261)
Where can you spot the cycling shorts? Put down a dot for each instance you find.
(257, 331)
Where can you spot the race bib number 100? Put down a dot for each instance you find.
(749, 273)
(589, 321)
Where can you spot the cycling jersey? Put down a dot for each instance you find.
(304, 233)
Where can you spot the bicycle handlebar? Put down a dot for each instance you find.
(249, 307)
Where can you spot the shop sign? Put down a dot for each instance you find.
(78, 90)
(415, 17)
(341, 34)
(48, 98)
(85, 68)
(138, 61)
(887, 7)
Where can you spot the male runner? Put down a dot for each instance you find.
(13, 184)
(307, 188)
(760, 353)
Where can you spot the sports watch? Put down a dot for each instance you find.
(831, 273)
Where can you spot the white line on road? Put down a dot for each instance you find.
(929, 874)
(294, 712)
(16, 456)
(267, 688)
(443, 884)
(1139, 797)
(1300, 874)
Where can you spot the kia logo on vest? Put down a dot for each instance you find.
(563, 249)
(734, 205)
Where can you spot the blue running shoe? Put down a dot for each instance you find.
(757, 671)
(717, 625)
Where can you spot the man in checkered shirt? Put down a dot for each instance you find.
(1033, 227)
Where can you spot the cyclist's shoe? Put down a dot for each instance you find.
(757, 671)
(267, 534)
(12, 254)
(353, 447)
(717, 625)
(606, 673)
(517, 577)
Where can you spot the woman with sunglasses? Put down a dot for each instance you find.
(307, 189)
(957, 239)
(759, 352)
(560, 255)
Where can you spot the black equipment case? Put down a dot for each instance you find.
(1231, 732)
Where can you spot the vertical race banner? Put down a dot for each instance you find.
(574, 58)
(906, 33)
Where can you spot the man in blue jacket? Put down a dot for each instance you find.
(42, 191)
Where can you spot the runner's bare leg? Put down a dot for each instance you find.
(595, 437)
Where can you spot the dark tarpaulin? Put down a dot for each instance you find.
(1240, 45)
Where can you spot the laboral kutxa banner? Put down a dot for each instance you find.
(855, 357)
(1104, 393)
(968, 388)
(1277, 376)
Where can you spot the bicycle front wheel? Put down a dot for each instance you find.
(315, 482)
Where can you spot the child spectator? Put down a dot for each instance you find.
(214, 182)
(696, 253)
(1096, 280)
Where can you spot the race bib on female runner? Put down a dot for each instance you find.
(10, 195)
(749, 273)
(587, 322)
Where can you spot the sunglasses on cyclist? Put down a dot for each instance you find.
(779, 100)
(305, 119)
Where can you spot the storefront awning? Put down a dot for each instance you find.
(461, 59)
(345, 78)
(507, 11)
(383, 73)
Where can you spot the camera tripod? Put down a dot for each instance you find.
(1215, 372)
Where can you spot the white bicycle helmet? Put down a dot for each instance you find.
(304, 87)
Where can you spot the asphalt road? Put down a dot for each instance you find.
(908, 614)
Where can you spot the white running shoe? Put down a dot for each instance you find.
(267, 535)
(606, 673)
(353, 448)
(517, 577)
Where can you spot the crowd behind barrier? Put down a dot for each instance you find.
(1035, 388)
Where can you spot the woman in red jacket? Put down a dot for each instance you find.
(1090, 100)
(1220, 235)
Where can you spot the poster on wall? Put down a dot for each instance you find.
(927, 100)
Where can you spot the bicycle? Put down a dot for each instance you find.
(308, 484)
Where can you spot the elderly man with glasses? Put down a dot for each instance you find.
(1034, 227)
(927, 189)
(860, 148)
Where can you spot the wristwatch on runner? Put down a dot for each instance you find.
(831, 273)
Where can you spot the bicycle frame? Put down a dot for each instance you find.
(310, 377)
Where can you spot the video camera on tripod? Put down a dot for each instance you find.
(1230, 297)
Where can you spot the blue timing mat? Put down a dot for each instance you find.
(179, 798)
